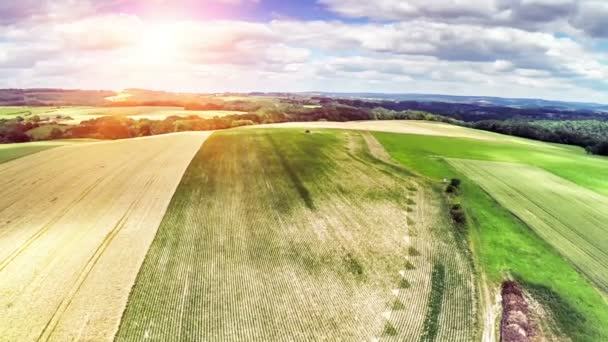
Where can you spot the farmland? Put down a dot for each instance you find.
(77, 114)
(73, 218)
(271, 233)
(13, 151)
(567, 216)
(503, 244)
(276, 234)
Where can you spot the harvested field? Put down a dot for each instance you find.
(399, 126)
(280, 235)
(17, 150)
(78, 114)
(569, 217)
(76, 224)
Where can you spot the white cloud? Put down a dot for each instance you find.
(479, 46)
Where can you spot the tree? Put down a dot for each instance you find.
(56, 133)
(455, 182)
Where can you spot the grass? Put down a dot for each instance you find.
(274, 235)
(503, 244)
(431, 321)
(43, 132)
(567, 216)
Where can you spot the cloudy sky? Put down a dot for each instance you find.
(556, 49)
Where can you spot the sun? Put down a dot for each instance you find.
(158, 45)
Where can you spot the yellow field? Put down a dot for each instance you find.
(77, 222)
(82, 113)
(397, 126)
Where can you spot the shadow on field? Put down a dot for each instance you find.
(293, 175)
(568, 320)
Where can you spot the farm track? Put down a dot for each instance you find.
(91, 212)
(278, 235)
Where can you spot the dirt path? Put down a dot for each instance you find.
(77, 222)
(376, 148)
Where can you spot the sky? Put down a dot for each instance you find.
(553, 49)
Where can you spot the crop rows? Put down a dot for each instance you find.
(281, 235)
(569, 217)
(97, 207)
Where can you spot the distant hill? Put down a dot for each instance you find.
(53, 97)
(476, 100)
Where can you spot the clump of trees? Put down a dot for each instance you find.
(119, 127)
(15, 130)
(456, 211)
(453, 186)
(457, 214)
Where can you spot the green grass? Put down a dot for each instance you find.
(425, 153)
(431, 321)
(569, 217)
(503, 244)
(43, 132)
(274, 235)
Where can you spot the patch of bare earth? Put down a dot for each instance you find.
(76, 223)
(516, 324)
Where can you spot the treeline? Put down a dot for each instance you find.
(15, 130)
(589, 134)
(119, 127)
(472, 112)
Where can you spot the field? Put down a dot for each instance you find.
(77, 222)
(13, 151)
(396, 126)
(281, 235)
(569, 217)
(503, 244)
(78, 114)
(271, 233)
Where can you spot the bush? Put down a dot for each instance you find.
(455, 182)
(450, 189)
(457, 214)
(55, 133)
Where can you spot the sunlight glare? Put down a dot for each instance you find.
(159, 45)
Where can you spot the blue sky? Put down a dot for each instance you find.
(556, 49)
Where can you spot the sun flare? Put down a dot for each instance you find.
(159, 45)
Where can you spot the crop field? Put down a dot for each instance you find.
(13, 151)
(274, 234)
(569, 217)
(503, 244)
(395, 126)
(78, 114)
(77, 221)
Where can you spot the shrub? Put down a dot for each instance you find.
(457, 214)
(55, 133)
(455, 182)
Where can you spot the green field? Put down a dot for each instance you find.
(503, 244)
(274, 234)
(571, 218)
